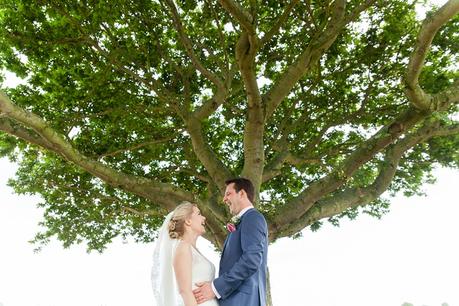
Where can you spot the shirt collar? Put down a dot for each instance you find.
(242, 212)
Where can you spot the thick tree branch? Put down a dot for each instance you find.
(215, 200)
(359, 9)
(429, 28)
(353, 197)
(318, 189)
(136, 212)
(246, 50)
(240, 14)
(214, 166)
(164, 194)
(313, 52)
(254, 126)
(13, 128)
(254, 147)
(273, 169)
(283, 145)
(212, 205)
(443, 100)
(210, 106)
(303, 63)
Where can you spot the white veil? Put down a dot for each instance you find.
(162, 274)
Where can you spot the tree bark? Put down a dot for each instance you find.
(269, 298)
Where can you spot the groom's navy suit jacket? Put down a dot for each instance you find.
(243, 264)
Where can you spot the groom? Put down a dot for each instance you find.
(243, 265)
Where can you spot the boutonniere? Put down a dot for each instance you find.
(231, 226)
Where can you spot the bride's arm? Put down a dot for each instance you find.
(182, 268)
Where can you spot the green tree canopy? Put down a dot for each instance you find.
(130, 107)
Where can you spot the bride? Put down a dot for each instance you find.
(177, 263)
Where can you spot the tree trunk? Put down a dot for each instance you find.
(269, 299)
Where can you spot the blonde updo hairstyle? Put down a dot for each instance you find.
(177, 223)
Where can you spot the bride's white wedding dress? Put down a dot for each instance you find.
(165, 287)
(202, 270)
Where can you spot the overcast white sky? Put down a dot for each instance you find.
(410, 255)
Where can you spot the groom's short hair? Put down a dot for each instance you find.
(241, 183)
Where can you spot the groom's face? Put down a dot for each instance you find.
(232, 199)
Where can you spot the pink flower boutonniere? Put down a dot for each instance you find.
(231, 227)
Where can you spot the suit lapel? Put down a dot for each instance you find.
(229, 234)
(226, 242)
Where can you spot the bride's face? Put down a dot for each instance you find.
(197, 221)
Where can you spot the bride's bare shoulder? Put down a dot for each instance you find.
(182, 254)
(183, 247)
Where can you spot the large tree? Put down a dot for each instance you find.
(130, 107)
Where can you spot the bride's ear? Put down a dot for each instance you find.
(188, 222)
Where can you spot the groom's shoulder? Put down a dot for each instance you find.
(255, 214)
(255, 220)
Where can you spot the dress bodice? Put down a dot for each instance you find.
(202, 270)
